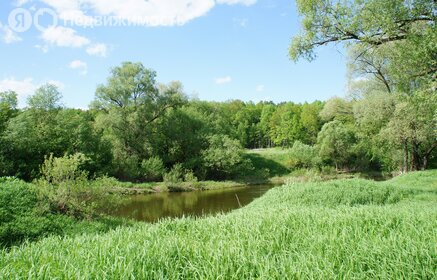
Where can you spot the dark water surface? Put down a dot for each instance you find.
(152, 207)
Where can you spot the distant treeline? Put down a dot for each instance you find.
(136, 129)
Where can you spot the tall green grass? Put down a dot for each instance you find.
(346, 229)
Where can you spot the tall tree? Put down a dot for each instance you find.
(46, 97)
(131, 101)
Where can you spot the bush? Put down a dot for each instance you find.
(224, 157)
(304, 156)
(153, 169)
(179, 174)
(65, 186)
(22, 215)
(65, 169)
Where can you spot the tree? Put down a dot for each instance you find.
(9, 98)
(310, 121)
(224, 157)
(130, 103)
(337, 108)
(406, 31)
(34, 134)
(411, 129)
(8, 106)
(335, 143)
(46, 97)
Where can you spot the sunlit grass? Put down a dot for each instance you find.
(346, 229)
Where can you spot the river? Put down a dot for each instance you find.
(152, 207)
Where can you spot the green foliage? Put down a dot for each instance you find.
(21, 214)
(9, 98)
(47, 97)
(224, 157)
(8, 105)
(65, 186)
(153, 169)
(304, 156)
(179, 174)
(351, 229)
(65, 169)
(335, 143)
(130, 103)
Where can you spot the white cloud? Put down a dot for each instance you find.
(25, 87)
(97, 50)
(234, 2)
(64, 37)
(154, 12)
(9, 36)
(260, 88)
(79, 65)
(70, 11)
(142, 12)
(223, 80)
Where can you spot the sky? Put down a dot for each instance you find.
(219, 49)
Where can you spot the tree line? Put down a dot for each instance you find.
(137, 129)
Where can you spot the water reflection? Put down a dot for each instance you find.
(153, 207)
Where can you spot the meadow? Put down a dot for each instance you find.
(341, 229)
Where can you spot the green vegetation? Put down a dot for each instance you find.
(340, 229)
(25, 214)
(138, 131)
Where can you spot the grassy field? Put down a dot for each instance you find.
(345, 229)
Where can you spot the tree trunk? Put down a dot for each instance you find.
(426, 156)
(405, 164)
(415, 157)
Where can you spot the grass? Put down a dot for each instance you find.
(276, 160)
(344, 229)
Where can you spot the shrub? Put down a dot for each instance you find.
(64, 185)
(22, 215)
(179, 174)
(224, 157)
(153, 169)
(64, 169)
(175, 175)
(304, 156)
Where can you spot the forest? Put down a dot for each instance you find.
(60, 166)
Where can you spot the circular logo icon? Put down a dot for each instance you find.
(42, 12)
(20, 20)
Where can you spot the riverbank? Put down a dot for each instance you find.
(270, 167)
(337, 229)
(301, 176)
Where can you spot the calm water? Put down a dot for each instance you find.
(153, 207)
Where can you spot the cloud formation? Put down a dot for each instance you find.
(64, 37)
(8, 35)
(79, 65)
(260, 88)
(97, 50)
(141, 12)
(223, 80)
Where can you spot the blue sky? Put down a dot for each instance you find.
(218, 49)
